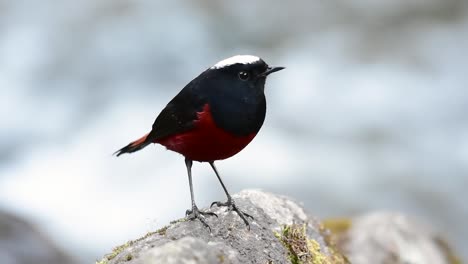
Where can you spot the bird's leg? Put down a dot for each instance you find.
(194, 213)
(230, 202)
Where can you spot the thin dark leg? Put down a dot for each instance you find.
(195, 213)
(230, 202)
(221, 181)
(188, 164)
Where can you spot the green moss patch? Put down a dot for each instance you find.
(337, 225)
(303, 250)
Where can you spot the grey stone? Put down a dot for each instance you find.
(229, 240)
(186, 250)
(22, 243)
(386, 237)
(283, 231)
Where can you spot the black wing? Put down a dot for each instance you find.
(179, 114)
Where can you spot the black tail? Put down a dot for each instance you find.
(134, 146)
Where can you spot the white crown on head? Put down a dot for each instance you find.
(242, 59)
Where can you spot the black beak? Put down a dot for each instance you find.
(270, 70)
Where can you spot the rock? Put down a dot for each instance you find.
(281, 232)
(22, 243)
(384, 237)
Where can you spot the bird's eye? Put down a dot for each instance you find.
(244, 76)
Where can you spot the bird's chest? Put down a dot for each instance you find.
(206, 141)
(239, 115)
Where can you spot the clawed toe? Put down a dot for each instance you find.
(218, 204)
(200, 215)
(249, 216)
(190, 212)
(233, 207)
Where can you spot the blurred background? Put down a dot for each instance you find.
(371, 114)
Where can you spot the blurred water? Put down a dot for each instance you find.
(370, 113)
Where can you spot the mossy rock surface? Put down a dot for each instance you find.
(304, 250)
(229, 240)
(282, 232)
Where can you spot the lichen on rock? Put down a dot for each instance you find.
(303, 250)
(282, 232)
(229, 240)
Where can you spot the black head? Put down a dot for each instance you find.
(234, 89)
(242, 72)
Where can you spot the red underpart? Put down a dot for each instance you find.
(206, 141)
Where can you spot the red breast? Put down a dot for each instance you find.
(206, 141)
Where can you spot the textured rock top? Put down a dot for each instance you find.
(280, 232)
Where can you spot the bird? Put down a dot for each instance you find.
(212, 118)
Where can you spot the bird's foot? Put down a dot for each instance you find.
(195, 213)
(233, 207)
